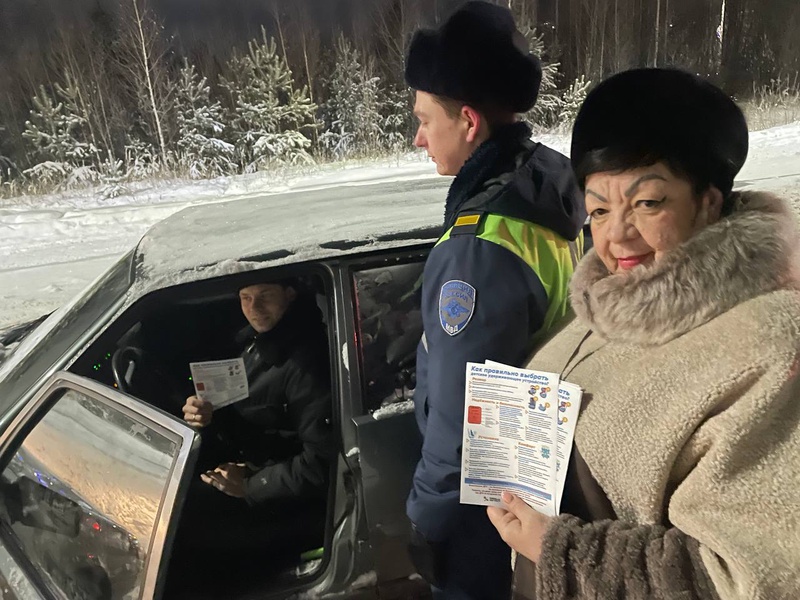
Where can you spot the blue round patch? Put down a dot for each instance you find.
(456, 306)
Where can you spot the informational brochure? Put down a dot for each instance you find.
(569, 405)
(220, 382)
(518, 433)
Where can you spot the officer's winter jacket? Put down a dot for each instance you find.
(495, 281)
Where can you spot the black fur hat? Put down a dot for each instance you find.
(643, 116)
(477, 57)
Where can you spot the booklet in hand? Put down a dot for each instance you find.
(220, 382)
(519, 427)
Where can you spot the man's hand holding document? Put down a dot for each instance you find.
(519, 427)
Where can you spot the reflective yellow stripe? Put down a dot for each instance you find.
(467, 220)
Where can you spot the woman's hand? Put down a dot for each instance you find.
(520, 526)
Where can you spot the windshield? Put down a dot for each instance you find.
(46, 346)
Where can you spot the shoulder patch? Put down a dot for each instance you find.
(456, 306)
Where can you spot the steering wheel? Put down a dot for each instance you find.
(124, 363)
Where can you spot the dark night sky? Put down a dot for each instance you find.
(22, 17)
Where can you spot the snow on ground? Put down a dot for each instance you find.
(52, 246)
(774, 155)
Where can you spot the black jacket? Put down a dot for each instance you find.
(284, 427)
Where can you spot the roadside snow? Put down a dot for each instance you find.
(52, 246)
(774, 157)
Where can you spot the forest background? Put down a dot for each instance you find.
(102, 93)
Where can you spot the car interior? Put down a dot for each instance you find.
(147, 353)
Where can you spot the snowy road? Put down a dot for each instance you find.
(52, 247)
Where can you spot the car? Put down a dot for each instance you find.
(95, 461)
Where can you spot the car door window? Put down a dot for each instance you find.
(389, 330)
(82, 495)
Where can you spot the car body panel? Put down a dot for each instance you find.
(288, 228)
(389, 449)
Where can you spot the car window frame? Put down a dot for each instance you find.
(387, 554)
(172, 495)
(28, 586)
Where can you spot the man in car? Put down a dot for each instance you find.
(497, 279)
(275, 447)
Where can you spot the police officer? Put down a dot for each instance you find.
(497, 278)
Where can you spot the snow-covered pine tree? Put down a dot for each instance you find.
(544, 114)
(397, 123)
(142, 157)
(201, 150)
(267, 113)
(351, 117)
(56, 136)
(362, 117)
(85, 150)
(339, 137)
(571, 103)
(369, 105)
(43, 131)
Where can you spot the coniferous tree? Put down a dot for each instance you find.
(544, 113)
(200, 149)
(571, 103)
(53, 132)
(362, 117)
(267, 112)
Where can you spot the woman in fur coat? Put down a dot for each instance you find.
(685, 477)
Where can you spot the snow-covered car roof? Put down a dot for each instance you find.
(224, 237)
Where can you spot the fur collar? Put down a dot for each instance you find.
(751, 252)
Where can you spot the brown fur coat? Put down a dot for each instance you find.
(691, 419)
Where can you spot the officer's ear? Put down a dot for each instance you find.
(473, 121)
(291, 293)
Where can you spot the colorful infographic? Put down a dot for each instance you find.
(518, 432)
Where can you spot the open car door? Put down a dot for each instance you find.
(92, 485)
